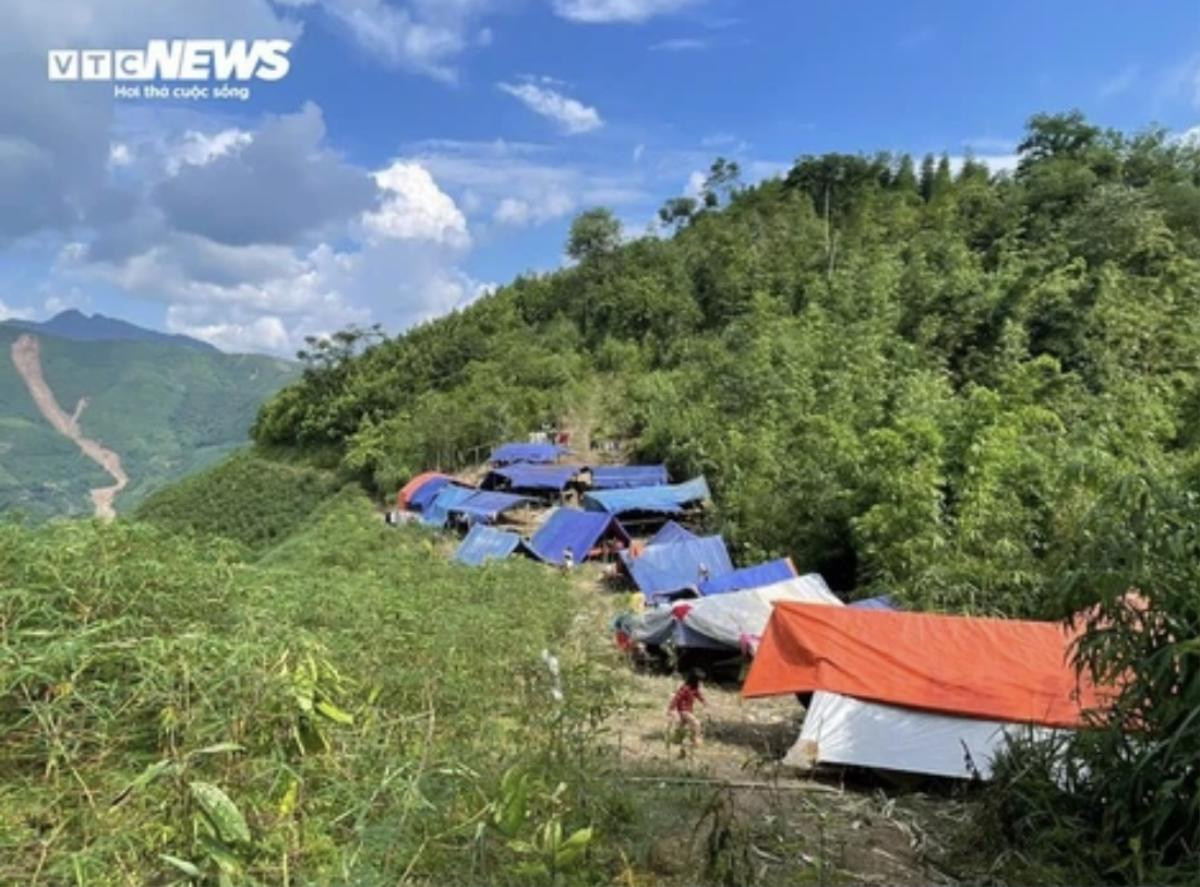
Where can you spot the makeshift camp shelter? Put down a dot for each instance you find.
(511, 453)
(750, 577)
(484, 544)
(419, 491)
(664, 571)
(664, 499)
(579, 531)
(842, 730)
(485, 507)
(737, 619)
(532, 478)
(618, 477)
(995, 669)
(671, 532)
(437, 512)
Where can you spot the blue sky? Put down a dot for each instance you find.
(419, 151)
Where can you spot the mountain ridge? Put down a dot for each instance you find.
(79, 327)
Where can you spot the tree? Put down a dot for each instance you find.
(593, 233)
(722, 182)
(678, 211)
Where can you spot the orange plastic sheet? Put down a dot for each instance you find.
(998, 669)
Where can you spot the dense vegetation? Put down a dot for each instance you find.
(166, 409)
(976, 391)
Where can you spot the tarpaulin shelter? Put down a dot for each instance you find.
(842, 730)
(524, 476)
(671, 532)
(484, 544)
(420, 491)
(679, 567)
(618, 477)
(737, 619)
(485, 507)
(665, 499)
(580, 531)
(993, 669)
(511, 453)
(750, 577)
(437, 512)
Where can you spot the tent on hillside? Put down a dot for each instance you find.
(580, 531)
(737, 619)
(437, 512)
(1000, 669)
(485, 544)
(532, 478)
(421, 490)
(537, 453)
(665, 499)
(665, 571)
(619, 477)
(485, 507)
(750, 577)
(671, 532)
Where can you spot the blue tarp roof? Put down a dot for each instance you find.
(427, 492)
(509, 453)
(883, 602)
(524, 476)
(485, 507)
(666, 499)
(665, 570)
(486, 544)
(437, 512)
(617, 477)
(671, 532)
(750, 577)
(571, 528)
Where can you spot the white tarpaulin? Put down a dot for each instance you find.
(843, 730)
(728, 618)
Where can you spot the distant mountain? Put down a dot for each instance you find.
(79, 327)
(101, 413)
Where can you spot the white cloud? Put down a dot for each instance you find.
(14, 313)
(415, 207)
(572, 116)
(200, 149)
(518, 213)
(606, 11)
(680, 44)
(119, 155)
(695, 184)
(1119, 83)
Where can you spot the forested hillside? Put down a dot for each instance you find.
(910, 375)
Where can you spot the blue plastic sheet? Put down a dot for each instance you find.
(750, 577)
(524, 476)
(617, 477)
(437, 512)
(671, 532)
(574, 529)
(666, 499)
(680, 567)
(427, 492)
(883, 602)
(509, 453)
(485, 544)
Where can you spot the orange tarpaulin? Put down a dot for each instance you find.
(413, 485)
(998, 669)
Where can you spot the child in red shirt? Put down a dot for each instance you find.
(679, 710)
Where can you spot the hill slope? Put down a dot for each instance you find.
(163, 409)
(72, 324)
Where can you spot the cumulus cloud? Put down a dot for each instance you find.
(415, 207)
(606, 11)
(200, 149)
(572, 116)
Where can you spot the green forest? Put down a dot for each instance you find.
(974, 390)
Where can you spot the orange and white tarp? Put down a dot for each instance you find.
(995, 669)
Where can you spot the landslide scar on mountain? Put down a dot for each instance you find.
(26, 357)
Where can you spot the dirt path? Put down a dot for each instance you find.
(26, 357)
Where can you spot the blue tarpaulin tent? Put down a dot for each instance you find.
(666, 499)
(427, 492)
(510, 453)
(524, 476)
(574, 529)
(485, 507)
(618, 477)
(437, 512)
(883, 602)
(671, 532)
(750, 577)
(668, 570)
(486, 544)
